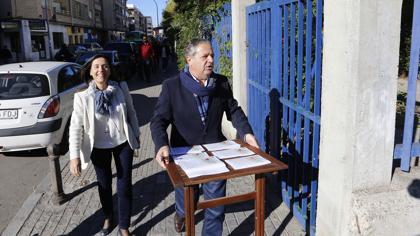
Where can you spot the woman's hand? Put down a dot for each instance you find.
(75, 167)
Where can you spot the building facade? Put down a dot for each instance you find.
(115, 22)
(149, 26)
(36, 29)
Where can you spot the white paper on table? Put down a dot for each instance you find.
(238, 152)
(199, 164)
(228, 144)
(175, 151)
(247, 162)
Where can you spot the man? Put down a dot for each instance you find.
(164, 55)
(145, 54)
(64, 54)
(194, 104)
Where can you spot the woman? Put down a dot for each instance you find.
(104, 124)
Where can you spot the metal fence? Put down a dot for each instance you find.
(409, 149)
(221, 41)
(284, 90)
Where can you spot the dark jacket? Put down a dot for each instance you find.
(178, 107)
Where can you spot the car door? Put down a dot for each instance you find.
(69, 82)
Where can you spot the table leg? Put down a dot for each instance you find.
(189, 211)
(259, 204)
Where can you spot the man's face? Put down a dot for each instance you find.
(201, 64)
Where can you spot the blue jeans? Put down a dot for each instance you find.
(123, 158)
(213, 217)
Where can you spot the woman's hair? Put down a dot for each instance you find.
(85, 71)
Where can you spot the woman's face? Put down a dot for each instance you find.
(100, 71)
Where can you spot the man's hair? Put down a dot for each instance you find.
(191, 48)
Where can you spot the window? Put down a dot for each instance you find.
(77, 9)
(68, 77)
(58, 39)
(84, 13)
(17, 86)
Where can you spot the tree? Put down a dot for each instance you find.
(188, 19)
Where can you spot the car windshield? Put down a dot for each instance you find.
(17, 86)
(86, 45)
(120, 47)
(83, 58)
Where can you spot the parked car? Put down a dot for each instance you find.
(120, 70)
(36, 102)
(127, 52)
(91, 46)
(76, 48)
(112, 56)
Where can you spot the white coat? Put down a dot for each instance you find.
(82, 125)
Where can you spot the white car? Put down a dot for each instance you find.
(36, 102)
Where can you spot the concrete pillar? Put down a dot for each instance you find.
(239, 47)
(359, 87)
(239, 65)
(25, 42)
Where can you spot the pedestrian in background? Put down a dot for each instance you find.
(64, 54)
(104, 125)
(164, 55)
(156, 55)
(146, 54)
(193, 104)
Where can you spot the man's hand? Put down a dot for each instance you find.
(250, 139)
(75, 167)
(162, 156)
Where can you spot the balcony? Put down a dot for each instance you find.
(61, 12)
(98, 7)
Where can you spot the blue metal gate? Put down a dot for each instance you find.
(222, 42)
(284, 91)
(408, 149)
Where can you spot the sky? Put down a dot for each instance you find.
(148, 8)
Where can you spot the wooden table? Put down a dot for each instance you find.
(180, 179)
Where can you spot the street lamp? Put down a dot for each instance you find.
(157, 13)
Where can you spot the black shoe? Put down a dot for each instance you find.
(179, 223)
(120, 234)
(106, 231)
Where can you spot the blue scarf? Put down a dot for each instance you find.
(103, 101)
(201, 93)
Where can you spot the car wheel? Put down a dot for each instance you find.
(64, 145)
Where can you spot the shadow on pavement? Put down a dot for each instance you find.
(144, 107)
(414, 188)
(145, 198)
(156, 78)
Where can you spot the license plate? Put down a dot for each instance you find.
(9, 114)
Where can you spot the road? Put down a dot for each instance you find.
(20, 174)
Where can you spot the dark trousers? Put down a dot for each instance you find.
(213, 217)
(164, 61)
(146, 67)
(123, 158)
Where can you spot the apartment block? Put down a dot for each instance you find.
(35, 29)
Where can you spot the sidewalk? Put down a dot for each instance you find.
(153, 196)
